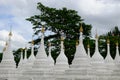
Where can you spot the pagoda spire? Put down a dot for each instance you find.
(50, 59)
(31, 59)
(40, 64)
(8, 65)
(81, 35)
(62, 58)
(10, 33)
(96, 41)
(80, 45)
(32, 56)
(81, 28)
(116, 70)
(4, 49)
(8, 54)
(9, 44)
(112, 69)
(97, 54)
(61, 61)
(80, 63)
(97, 61)
(108, 57)
(109, 62)
(41, 50)
(77, 43)
(25, 55)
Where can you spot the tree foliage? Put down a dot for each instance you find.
(59, 21)
(114, 37)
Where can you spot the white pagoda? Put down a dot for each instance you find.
(117, 56)
(80, 68)
(97, 62)
(61, 62)
(40, 65)
(7, 65)
(20, 68)
(31, 59)
(116, 71)
(109, 62)
(28, 63)
(50, 73)
(50, 59)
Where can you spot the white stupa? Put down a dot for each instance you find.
(31, 59)
(20, 69)
(80, 68)
(8, 54)
(32, 56)
(28, 63)
(40, 65)
(50, 59)
(25, 56)
(109, 62)
(116, 71)
(23, 62)
(97, 55)
(108, 59)
(7, 65)
(97, 62)
(117, 56)
(50, 73)
(61, 61)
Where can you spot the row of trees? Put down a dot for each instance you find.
(66, 21)
(114, 38)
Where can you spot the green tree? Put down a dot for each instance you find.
(113, 36)
(59, 21)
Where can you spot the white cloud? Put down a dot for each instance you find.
(102, 15)
(21, 8)
(17, 40)
(90, 6)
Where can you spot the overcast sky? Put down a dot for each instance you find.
(103, 15)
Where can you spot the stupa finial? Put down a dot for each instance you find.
(117, 43)
(4, 49)
(96, 36)
(21, 49)
(32, 42)
(88, 46)
(77, 42)
(43, 30)
(62, 38)
(108, 41)
(81, 28)
(5, 46)
(25, 48)
(10, 33)
(49, 44)
(6, 43)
